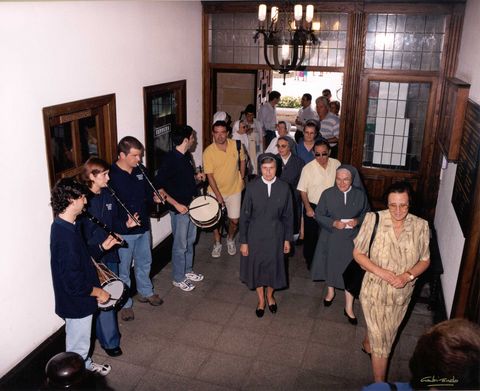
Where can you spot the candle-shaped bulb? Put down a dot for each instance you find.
(309, 13)
(274, 14)
(285, 52)
(262, 12)
(297, 12)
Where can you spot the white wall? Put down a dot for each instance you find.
(450, 236)
(56, 52)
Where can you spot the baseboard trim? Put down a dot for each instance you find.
(29, 374)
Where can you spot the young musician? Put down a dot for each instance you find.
(75, 281)
(102, 206)
(176, 180)
(132, 188)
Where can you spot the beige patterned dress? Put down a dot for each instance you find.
(383, 305)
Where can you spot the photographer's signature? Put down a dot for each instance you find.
(434, 381)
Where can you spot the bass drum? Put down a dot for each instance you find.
(205, 211)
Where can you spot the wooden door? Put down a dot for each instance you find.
(394, 138)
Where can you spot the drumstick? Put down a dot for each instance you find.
(198, 206)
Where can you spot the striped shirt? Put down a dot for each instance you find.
(330, 127)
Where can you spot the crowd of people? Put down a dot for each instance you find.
(273, 189)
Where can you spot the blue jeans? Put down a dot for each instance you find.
(184, 234)
(106, 326)
(78, 333)
(139, 249)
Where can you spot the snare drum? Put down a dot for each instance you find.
(205, 211)
(113, 285)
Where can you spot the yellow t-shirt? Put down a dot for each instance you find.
(224, 167)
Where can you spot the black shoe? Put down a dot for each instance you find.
(353, 321)
(115, 352)
(273, 308)
(260, 312)
(328, 303)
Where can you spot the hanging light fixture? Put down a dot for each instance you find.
(285, 38)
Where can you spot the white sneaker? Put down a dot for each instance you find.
(231, 248)
(101, 369)
(184, 285)
(217, 250)
(192, 276)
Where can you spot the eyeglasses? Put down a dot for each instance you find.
(282, 145)
(321, 154)
(399, 206)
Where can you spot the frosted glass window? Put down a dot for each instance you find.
(410, 42)
(230, 40)
(395, 124)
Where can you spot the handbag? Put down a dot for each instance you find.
(353, 274)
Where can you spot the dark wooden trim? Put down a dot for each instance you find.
(102, 105)
(207, 83)
(30, 372)
(469, 268)
(351, 85)
(453, 36)
(219, 7)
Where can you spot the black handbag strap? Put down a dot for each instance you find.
(392, 386)
(373, 233)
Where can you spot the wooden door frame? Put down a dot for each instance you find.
(374, 173)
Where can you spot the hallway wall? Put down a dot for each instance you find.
(56, 52)
(450, 236)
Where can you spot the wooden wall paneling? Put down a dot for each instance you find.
(453, 115)
(466, 293)
(353, 67)
(207, 83)
(453, 36)
(473, 302)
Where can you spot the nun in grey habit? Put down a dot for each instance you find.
(340, 213)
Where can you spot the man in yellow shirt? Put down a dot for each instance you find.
(224, 165)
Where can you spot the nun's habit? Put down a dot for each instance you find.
(335, 246)
(266, 221)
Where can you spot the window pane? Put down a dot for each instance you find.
(230, 40)
(62, 147)
(395, 124)
(88, 137)
(410, 42)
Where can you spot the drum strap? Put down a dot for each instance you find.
(100, 272)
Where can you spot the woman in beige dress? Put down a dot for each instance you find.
(399, 254)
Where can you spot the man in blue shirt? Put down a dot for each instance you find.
(176, 181)
(130, 186)
(75, 281)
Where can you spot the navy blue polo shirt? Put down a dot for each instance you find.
(176, 176)
(137, 195)
(73, 272)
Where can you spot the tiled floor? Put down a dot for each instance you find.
(210, 338)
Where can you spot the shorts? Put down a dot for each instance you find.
(232, 203)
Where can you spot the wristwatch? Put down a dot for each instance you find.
(410, 276)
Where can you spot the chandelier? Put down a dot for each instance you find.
(285, 38)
